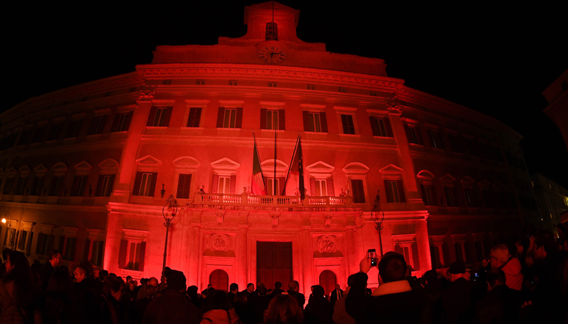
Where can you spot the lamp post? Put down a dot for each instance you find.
(7, 219)
(169, 212)
(378, 217)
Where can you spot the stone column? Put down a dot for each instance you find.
(112, 242)
(241, 256)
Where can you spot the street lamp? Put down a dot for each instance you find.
(169, 212)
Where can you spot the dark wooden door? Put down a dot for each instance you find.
(219, 280)
(274, 263)
(327, 280)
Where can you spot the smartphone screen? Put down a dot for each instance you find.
(373, 256)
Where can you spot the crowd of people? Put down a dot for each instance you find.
(527, 283)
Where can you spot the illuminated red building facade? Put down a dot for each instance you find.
(88, 169)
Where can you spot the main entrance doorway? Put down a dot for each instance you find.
(274, 263)
(328, 280)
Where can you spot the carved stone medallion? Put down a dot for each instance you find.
(220, 242)
(327, 244)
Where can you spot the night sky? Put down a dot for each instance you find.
(495, 59)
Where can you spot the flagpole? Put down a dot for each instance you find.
(258, 157)
(274, 180)
(290, 166)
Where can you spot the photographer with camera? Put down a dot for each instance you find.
(393, 301)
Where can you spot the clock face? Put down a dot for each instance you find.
(272, 54)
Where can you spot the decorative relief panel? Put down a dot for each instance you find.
(220, 242)
(327, 244)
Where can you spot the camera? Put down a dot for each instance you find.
(373, 257)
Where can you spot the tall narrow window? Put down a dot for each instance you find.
(37, 186)
(8, 185)
(435, 140)
(194, 117)
(74, 128)
(272, 119)
(159, 116)
(38, 134)
(145, 184)
(348, 125)
(273, 186)
(455, 144)
(55, 186)
(21, 186)
(321, 187)
(70, 245)
(428, 195)
(413, 134)
(184, 186)
(104, 185)
(97, 253)
(97, 125)
(358, 191)
(395, 191)
(121, 122)
(79, 185)
(381, 127)
(271, 31)
(230, 119)
(54, 132)
(450, 197)
(315, 122)
(131, 255)
(224, 185)
(469, 198)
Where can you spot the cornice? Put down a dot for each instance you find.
(153, 71)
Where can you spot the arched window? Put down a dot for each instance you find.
(327, 280)
(219, 279)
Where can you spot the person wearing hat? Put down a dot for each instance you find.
(458, 300)
(172, 306)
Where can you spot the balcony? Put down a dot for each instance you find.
(286, 203)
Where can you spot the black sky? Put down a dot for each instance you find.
(495, 59)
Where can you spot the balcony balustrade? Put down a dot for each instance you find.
(246, 201)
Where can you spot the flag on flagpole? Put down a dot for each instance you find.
(297, 165)
(257, 185)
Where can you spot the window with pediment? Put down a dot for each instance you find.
(357, 181)
(426, 180)
(185, 167)
(224, 178)
(274, 185)
(394, 186)
(448, 187)
(321, 179)
(146, 176)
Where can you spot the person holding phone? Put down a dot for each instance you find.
(393, 301)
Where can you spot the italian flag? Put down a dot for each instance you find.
(257, 185)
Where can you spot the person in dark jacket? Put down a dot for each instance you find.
(318, 310)
(458, 300)
(293, 290)
(501, 304)
(172, 306)
(47, 268)
(393, 301)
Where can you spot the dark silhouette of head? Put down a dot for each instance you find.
(284, 309)
(392, 267)
(278, 285)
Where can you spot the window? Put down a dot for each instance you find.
(194, 117)
(428, 195)
(54, 132)
(413, 134)
(435, 140)
(272, 84)
(79, 185)
(381, 127)
(37, 186)
(200, 82)
(229, 117)
(22, 240)
(450, 197)
(232, 82)
(224, 186)
(131, 255)
(315, 122)
(10, 237)
(273, 186)
(455, 144)
(271, 31)
(104, 185)
(55, 186)
(145, 183)
(38, 134)
(159, 117)
(69, 251)
(97, 125)
(121, 122)
(97, 253)
(348, 125)
(184, 186)
(469, 198)
(74, 128)
(321, 187)
(395, 191)
(311, 87)
(341, 89)
(272, 119)
(489, 198)
(9, 183)
(44, 243)
(358, 191)
(21, 186)
(25, 137)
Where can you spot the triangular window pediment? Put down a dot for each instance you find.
(186, 162)
(355, 168)
(320, 167)
(108, 164)
(25, 170)
(40, 170)
(447, 178)
(268, 166)
(391, 169)
(59, 169)
(484, 184)
(467, 181)
(425, 175)
(225, 164)
(149, 161)
(12, 172)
